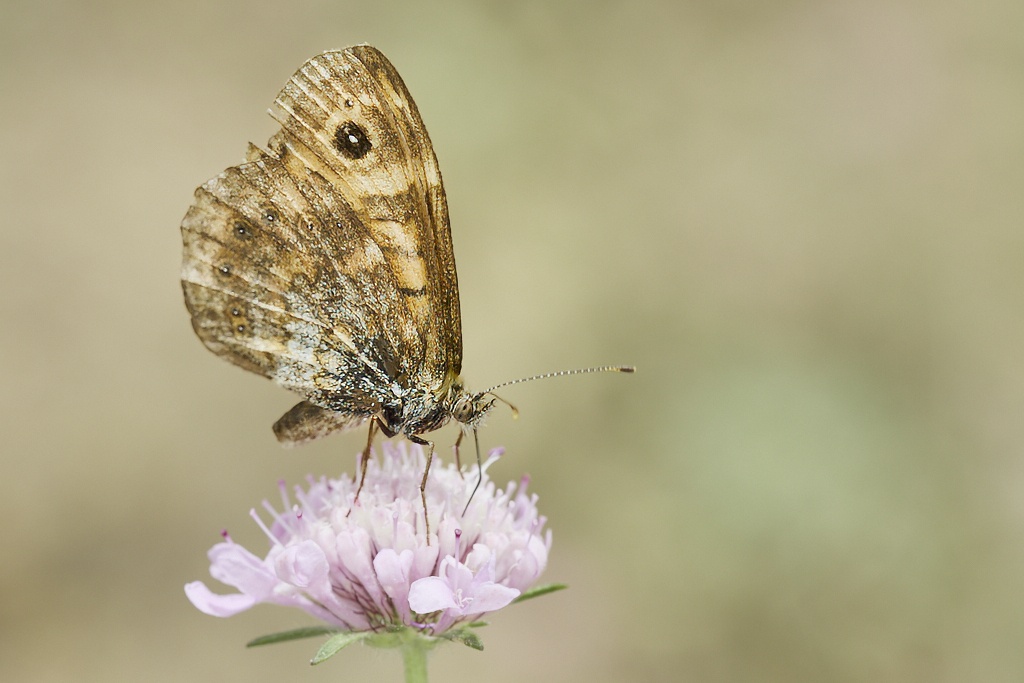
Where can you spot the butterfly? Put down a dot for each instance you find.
(325, 261)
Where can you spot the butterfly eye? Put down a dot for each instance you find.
(351, 141)
(462, 411)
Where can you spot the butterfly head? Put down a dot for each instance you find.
(469, 409)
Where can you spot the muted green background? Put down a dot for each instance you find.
(801, 220)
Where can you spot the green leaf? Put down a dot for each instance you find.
(294, 634)
(540, 590)
(337, 643)
(466, 637)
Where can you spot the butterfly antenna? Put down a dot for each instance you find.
(560, 373)
(515, 411)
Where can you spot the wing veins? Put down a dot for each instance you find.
(347, 343)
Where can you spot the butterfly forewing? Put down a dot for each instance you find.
(326, 262)
(348, 116)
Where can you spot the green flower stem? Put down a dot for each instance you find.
(414, 646)
(414, 659)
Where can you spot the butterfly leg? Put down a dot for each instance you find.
(364, 460)
(423, 482)
(458, 463)
(479, 469)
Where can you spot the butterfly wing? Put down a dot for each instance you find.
(326, 264)
(348, 117)
(282, 279)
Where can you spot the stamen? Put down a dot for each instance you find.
(282, 486)
(261, 525)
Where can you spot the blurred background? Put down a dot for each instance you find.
(802, 221)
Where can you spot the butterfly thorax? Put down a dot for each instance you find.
(414, 413)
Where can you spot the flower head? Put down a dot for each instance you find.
(368, 566)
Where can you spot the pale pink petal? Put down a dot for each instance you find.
(424, 561)
(215, 605)
(355, 547)
(393, 571)
(489, 597)
(303, 565)
(478, 558)
(429, 595)
(235, 566)
(458, 576)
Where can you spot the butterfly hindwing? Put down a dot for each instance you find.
(293, 289)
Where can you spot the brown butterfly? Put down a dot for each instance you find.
(325, 262)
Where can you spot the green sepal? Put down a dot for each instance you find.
(464, 636)
(294, 634)
(338, 643)
(393, 635)
(539, 591)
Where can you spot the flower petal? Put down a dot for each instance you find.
(429, 595)
(489, 597)
(215, 605)
(303, 565)
(235, 566)
(393, 571)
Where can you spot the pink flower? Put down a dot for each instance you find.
(458, 591)
(368, 567)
